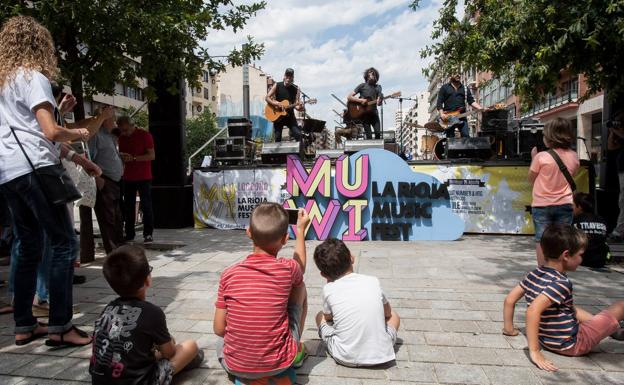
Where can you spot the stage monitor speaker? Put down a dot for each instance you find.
(352, 146)
(469, 148)
(529, 139)
(495, 120)
(239, 127)
(332, 154)
(276, 153)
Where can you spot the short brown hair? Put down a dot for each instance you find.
(558, 133)
(126, 269)
(124, 119)
(332, 258)
(268, 224)
(558, 238)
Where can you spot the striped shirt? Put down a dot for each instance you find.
(558, 324)
(255, 295)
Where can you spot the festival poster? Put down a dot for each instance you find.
(225, 199)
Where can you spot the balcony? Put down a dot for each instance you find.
(555, 101)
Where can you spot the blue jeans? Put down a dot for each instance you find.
(544, 216)
(32, 215)
(43, 271)
(463, 129)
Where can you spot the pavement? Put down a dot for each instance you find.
(448, 294)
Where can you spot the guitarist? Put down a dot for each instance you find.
(286, 90)
(454, 96)
(368, 91)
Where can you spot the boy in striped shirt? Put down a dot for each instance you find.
(552, 320)
(262, 302)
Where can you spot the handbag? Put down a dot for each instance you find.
(84, 182)
(56, 184)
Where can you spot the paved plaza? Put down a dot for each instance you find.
(448, 294)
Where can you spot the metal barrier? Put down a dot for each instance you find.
(189, 171)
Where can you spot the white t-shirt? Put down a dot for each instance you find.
(355, 302)
(18, 98)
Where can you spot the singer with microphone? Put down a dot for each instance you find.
(369, 91)
(286, 90)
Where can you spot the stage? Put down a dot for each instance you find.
(488, 196)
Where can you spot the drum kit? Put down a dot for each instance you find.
(433, 143)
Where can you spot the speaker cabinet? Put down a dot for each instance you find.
(495, 120)
(471, 148)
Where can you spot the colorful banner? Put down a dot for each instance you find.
(374, 195)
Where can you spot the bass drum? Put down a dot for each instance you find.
(439, 150)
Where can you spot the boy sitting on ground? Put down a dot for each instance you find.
(131, 343)
(552, 320)
(357, 323)
(262, 302)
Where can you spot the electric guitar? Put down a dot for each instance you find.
(358, 110)
(452, 120)
(273, 113)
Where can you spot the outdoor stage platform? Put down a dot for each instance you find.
(489, 196)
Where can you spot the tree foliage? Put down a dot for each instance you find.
(95, 39)
(198, 131)
(528, 43)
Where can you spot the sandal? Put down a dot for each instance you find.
(68, 344)
(33, 336)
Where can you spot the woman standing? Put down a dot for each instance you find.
(27, 111)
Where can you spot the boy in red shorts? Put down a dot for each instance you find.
(552, 320)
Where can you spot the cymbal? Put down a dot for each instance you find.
(434, 126)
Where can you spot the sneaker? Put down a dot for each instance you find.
(619, 335)
(148, 239)
(79, 279)
(300, 357)
(195, 362)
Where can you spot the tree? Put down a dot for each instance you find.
(96, 39)
(528, 43)
(198, 131)
(140, 118)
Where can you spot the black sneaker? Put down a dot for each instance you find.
(79, 279)
(148, 239)
(196, 362)
(619, 335)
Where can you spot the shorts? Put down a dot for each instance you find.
(294, 319)
(544, 216)
(163, 373)
(591, 332)
(326, 334)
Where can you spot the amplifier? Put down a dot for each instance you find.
(232, 148)
(527, 139)
(352, 146)
(239, 127)
(478, 148)
(332, 154)
(275, 153)
(495, 120)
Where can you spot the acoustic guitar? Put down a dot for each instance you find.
(274, 113)
(358, 110)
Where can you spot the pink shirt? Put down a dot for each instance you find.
(550, 187)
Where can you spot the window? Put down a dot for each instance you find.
(206, 94)
(206, 76)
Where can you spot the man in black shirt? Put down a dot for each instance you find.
(453, 96)
(369, 91)
(286, 90)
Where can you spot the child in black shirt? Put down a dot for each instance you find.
(597, 251)
(131, 343)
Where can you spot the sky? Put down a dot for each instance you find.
(330, 43)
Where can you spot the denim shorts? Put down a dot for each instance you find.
(544, 216)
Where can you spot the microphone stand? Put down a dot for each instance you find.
(401, 99)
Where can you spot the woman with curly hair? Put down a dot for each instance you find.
(27, 113)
